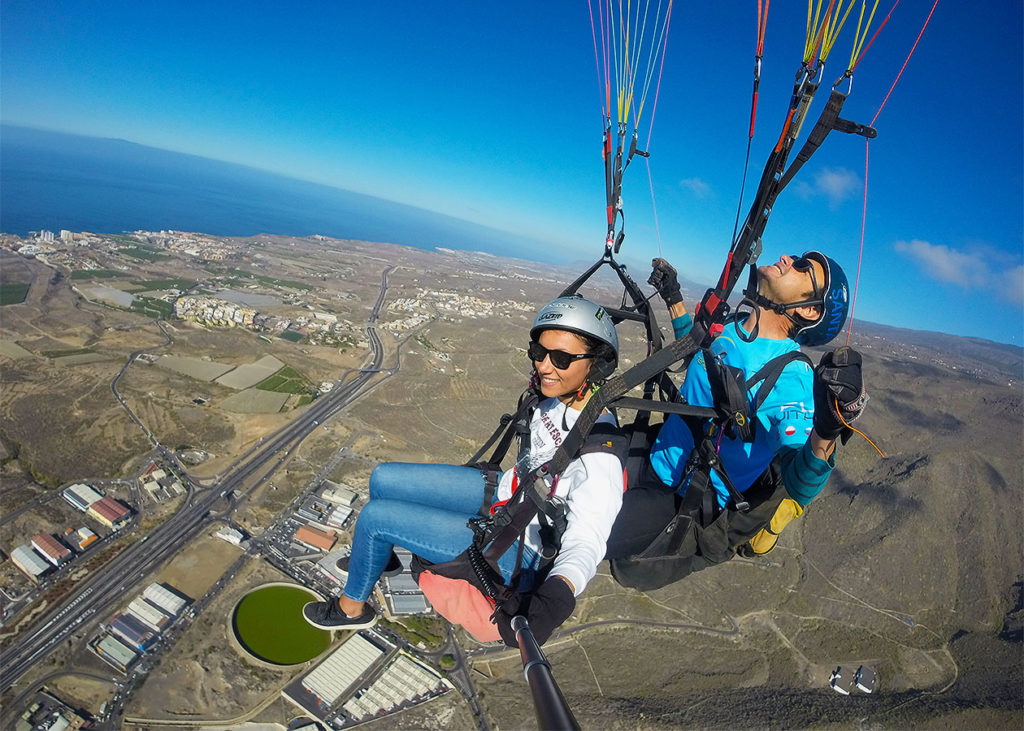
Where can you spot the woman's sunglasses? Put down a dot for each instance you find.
(803, 264)
(559, 358)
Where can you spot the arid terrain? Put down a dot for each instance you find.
(911, 562)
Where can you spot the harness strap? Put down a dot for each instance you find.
(704, 458)
(770, 373)
(490, 486)
(828, 121)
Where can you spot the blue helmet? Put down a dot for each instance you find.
(834, 303)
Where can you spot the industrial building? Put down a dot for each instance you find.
(316, 539)
(149, 614)
(400, 595)
(338, 494)
(230, 535)
(51, 549)
(163, 599)
(133, 631)
(328, 565)
(403, 681)
(110, 512)
(116, 653)
(30, 562)
(81, 496)
(80, 538)
(865, 678)
(338, 515)
(342, 669)
(841, 680)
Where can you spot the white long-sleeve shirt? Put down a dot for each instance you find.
(591, 485)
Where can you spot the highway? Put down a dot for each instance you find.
(106, 588)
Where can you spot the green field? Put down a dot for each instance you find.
(269, 624)
(96, 274)
(291, 336)
(65, 353)
(274, 281)
(286, 380)
(151, 284)
(142, 253)
(13, 294)
(152, 307)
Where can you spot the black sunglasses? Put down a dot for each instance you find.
(803, 264)
(559, 358)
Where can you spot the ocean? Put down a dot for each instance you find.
(53, 181)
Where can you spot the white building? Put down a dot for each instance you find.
(81, 496)
(230, 535)
(342, 669)
(30, 562)
(167, 601)
(149, 614)
(339, 494)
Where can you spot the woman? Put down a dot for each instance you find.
(424, 508)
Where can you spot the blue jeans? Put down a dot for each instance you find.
(422, 508)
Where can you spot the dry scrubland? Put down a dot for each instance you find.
(910, 562)
(205, 676)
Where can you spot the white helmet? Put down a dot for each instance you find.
(576, 314)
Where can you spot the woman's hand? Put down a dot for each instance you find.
(545, 609)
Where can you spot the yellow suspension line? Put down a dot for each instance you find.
(834, 31)
(860, 37)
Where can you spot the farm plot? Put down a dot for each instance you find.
(80, 359)
(107, 294)
(11, 349)
(287, 380)
(201, 370)
(247, 376)
(255, 401)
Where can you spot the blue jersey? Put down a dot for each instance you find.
(785, 419)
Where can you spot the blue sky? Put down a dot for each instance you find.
(491, 112)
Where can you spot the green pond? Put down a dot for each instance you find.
(268, 623)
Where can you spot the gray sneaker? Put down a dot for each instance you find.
(393, 568)
(328, 615)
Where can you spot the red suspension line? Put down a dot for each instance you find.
(879, 30)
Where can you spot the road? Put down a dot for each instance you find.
(107, 587)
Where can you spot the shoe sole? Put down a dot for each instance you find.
(387, 572)
(331, 627)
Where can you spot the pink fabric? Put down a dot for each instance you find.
(461, 603)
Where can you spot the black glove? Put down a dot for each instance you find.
(838, 380)
(545, 609)
(664, 279)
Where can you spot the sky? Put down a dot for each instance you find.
(491, 112)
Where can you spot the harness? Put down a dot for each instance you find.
(736, 418)
(501, 524)
(701, 533)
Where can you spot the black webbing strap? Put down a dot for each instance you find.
(828, 121)
(613, 390)
(702, 461)
(509, 523)
(490, 486)
(518, 512)
(770, 373)
(666, 407)
(503, 426)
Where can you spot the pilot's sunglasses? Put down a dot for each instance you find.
(559, 358)
(803, 264)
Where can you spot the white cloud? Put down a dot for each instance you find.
(1014, 290)
(836, 184)
(983, 267)
(696, 186)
